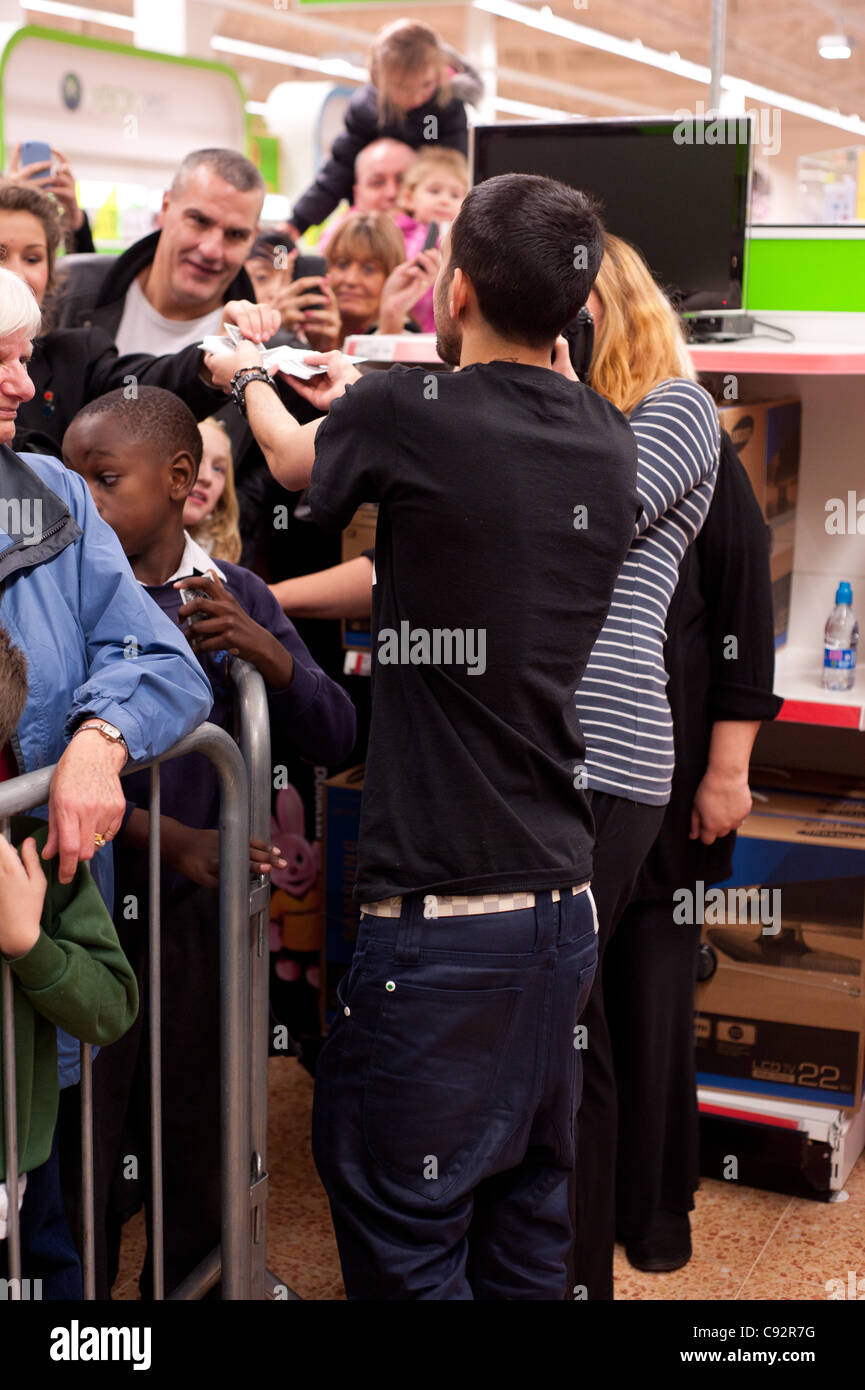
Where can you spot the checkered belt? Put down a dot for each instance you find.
(459, 905)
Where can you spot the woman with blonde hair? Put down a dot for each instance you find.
(370, 286)
(211, 513)
(638, 1142)
(639, 339)
(640, 363)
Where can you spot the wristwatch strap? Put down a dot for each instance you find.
(109, 732)
(241, 380)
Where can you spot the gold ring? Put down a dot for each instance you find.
(99, 840)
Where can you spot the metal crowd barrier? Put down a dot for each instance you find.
(244, 914)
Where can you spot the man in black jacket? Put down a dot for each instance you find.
(168, 290)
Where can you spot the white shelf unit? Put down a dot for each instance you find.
(825, 366)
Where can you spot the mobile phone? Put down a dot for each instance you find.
(432, 236)
(580, 337)
(186, 596)
(36, 152)
(309, 265)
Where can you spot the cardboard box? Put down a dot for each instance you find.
(357, 538)
(767, 436)
(342, 795)
(784, 1012)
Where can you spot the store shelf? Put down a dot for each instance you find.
(419, 348)
(806, 358)
(797, 681)
(767, 355)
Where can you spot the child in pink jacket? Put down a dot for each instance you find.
(433, 190)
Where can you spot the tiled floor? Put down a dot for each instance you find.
(748, 1244)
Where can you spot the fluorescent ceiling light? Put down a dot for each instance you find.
(106, 17)
(334, 67)
(765, 96)
(639, 53)
(834, 46)
(594, 38)
(528, 108)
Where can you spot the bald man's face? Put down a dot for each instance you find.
(379, 172)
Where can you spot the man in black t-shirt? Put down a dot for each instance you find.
(446, 1092)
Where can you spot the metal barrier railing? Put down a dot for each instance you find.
(245, 780)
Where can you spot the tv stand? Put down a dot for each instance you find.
(720, 328)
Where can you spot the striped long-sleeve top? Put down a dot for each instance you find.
(621, 700)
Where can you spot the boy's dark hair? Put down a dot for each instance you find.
(531, 248)
(13, 686)
(152, 416)
(266, 246)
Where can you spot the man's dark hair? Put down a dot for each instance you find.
(531, 248)
(232, 167)
(153, 417)
(13, 686)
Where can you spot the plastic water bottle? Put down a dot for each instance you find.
(839, 643)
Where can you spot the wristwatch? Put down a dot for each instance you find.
(108, 731)
(241, 380)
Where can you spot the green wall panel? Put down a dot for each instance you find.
(821, 275)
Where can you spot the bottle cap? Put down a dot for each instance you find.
(844, 593)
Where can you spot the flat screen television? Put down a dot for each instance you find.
(685, 205)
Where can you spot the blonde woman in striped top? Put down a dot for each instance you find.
(641, 364)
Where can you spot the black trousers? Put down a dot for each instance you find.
(649, 982)
(624, 834)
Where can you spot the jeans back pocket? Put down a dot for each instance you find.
(430, 1096)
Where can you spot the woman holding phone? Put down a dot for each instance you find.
(37, 163)
(370, 286)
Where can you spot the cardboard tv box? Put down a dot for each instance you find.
(356, 538)
(767, 436)
(342, 795)
(783, 1014)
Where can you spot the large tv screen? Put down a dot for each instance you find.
(681, 200)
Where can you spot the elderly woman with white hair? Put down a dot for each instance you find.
(70, 603)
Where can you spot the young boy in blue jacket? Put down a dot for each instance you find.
(140, 459)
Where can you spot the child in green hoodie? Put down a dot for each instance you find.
(68, 971)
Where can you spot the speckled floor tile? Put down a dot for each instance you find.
(815, 1243)
(132, 1251)
(729, 1228)
(748, 1244)
(301, 1247)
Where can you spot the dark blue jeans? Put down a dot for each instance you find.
(443, 1126)
(47, 1249)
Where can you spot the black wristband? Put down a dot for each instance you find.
(241, 380)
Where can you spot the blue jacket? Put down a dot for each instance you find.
(95, 643)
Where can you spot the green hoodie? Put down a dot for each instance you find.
(76, 977)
